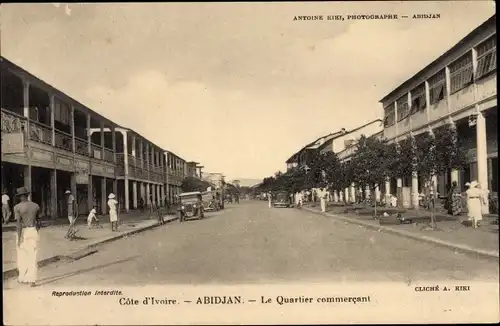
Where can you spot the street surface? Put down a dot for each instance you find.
(251, 243)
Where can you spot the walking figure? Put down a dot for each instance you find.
(72, 216)
(28, 225)
(113, 212)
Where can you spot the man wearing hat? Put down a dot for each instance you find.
(113, 211)
(71, 206)
(5, 207)
(26, 214)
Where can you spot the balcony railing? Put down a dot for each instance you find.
(63, 140)
(12, 122)
(81, 146)
(40, 133)
(96, 151)
(108, 155)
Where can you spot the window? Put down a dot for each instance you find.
(461, 73)
(390, 117)
(486, 57)
(418, 102)
(403, 109)
(61, 112)
(437, 85)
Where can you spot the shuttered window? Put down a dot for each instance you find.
(418, 102)
(461, 73)
(437, 84)
(486, 57)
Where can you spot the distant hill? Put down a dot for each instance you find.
(247, 182)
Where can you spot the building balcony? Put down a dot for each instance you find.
(138, 170)
(42, 134)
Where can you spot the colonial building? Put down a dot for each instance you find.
(176, 172)
(458, 88)
(48, 147)
(52, 143)
(194, 170)
(215, 178)
(335, 142)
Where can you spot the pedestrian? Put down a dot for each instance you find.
(6, 213)
(92, 217)
(474, 203)
(269, 199)
(28, 225)
(299, 198)
(455, 200)
(113, 212)
(322, 197)
(70, 199)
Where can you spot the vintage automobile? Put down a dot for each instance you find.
(210, 201)
(281, 199)
(191, 206)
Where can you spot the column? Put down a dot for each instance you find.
(73, 189)
(377, 193)
(162, 191)
(414, 190)
(125, 181)
(148, 202)
(102, 140)
(53, 194)
(158, 195)
(482, 158)
(399, 192)
(153, 194)
(133, 146)
(90, 193)
(353, 193)
(52, 119)
(113, 136)
(89, 139)
(335, 196)
(103, 196)
(141, 150)
(26, 106)
(387, 191)
(134, 193)
(115, 186)
(346, 195)
(72, 126)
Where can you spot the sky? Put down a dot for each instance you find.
(238, 87)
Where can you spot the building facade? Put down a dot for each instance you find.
(176, 172)
(52, 143)
(459, 89)
(194, 170)
(47, 145)
(215, 178)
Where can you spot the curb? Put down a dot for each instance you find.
(44, 262)
(426, 239)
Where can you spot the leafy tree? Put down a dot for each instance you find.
(449, 153)
(372, 163)
(194, 184)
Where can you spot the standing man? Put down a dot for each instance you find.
(5, 207)
(322, 198)
(113, 212)
(26, 214)
(70, 199)
(269, 197)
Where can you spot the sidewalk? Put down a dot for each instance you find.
(53, 246)
(451, 233)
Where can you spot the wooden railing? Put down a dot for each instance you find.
(108, 155)
(63, 140)
(40, 133)
(96, 151)
(12, 122)
(81, 146)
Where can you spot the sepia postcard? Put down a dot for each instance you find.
(249, 163)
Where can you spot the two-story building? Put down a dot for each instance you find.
(194, 170)
(458, 88)
(176, 172)
(48, 146)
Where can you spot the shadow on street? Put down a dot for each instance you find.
(56, 278)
